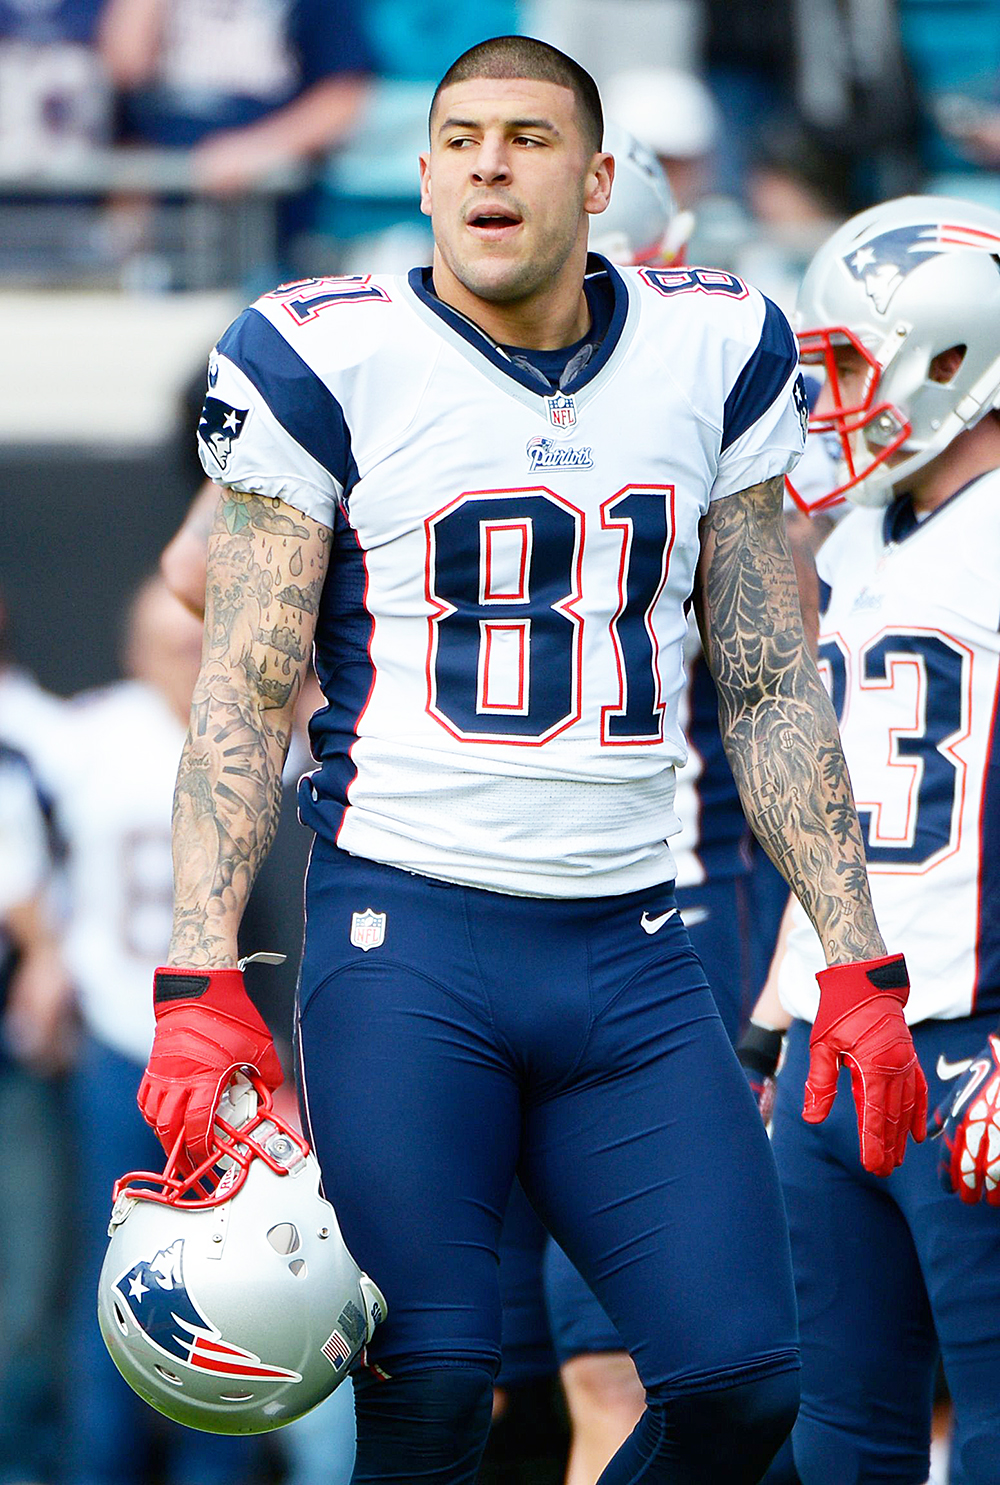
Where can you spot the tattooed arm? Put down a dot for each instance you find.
(778, 725)
(266, 567)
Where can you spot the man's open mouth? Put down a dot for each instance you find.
(493, 220)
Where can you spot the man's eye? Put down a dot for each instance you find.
(460, 142)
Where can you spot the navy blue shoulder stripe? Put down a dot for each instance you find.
(303, 405)
(762, 378)
(825, 594)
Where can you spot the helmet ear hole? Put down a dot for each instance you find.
(120, 1320)
(298, 1267)
(284, 1238)
(235, 1396)
(170, 1377)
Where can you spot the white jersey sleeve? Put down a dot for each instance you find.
(765, 413)
(269, 426)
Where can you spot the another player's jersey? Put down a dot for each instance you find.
(500, 636)
(122, 746)
(911, 650)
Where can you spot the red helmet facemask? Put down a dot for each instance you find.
(848, 421)
(264, 1136)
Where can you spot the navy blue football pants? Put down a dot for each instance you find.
(887, 1272)
(718, 919)
(488, 1035)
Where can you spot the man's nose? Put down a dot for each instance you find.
(492, 163)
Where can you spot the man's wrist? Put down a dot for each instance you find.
(759, 1050)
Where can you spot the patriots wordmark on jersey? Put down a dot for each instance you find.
(501, 633)
(910, 647)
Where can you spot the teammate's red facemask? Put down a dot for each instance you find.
(848, 420)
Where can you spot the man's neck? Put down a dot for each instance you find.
(542, 322)
(971, 454)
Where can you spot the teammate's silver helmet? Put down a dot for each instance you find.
(901, 283)
(642, 223)
(228, 1299)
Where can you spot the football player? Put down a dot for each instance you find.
(900, 313)
(120, 746)
(485, 492)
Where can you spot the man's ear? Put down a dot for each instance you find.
(599, 180)
(425, 183)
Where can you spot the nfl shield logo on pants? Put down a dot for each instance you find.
(367, 929)
(562, 411)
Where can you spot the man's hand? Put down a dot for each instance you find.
(759, 1052)
(860, 1022)
(206, 1029)
(968, 1121)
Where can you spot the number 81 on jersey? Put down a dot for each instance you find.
(504, 579)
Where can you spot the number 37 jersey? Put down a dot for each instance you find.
(500, 636)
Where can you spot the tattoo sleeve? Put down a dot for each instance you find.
(266, 567)
(778, 725)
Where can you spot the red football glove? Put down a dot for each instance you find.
(968, 1121)
(860, 1022)
(206, 1029)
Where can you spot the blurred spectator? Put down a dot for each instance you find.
(34, 1042)
(122, 746)
(247, 84)
(54, 95)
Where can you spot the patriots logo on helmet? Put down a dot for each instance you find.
(154, 1293)
(219, 426)
(883, 262)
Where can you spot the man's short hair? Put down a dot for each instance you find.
(522, 56)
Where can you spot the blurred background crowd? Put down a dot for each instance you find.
(162, 162)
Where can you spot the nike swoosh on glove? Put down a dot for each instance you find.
(860, 1023)
(207, 1028)
(968, 1121)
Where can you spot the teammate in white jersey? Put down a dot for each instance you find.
(485, 493)
(901, 311)
(119, 747)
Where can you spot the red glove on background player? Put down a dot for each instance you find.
(860, 1022)
(207, 1028)
(968, 1121)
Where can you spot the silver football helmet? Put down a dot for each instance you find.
(228, 1298)
(901, 283)
(642, 223)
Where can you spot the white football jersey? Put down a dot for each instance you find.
(500, 637)
(24, 853)
(910, 647)
(122, 746)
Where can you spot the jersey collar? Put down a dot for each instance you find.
(900, 519)
(421, 285)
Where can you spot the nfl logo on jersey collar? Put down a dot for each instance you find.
(367, 929)
(562, 411)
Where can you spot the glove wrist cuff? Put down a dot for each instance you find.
(844, 987)
(759, 1050)
(216, 989)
